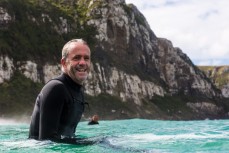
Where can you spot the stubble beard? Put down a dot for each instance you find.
(74, 74)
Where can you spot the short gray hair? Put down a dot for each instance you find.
(66, 48)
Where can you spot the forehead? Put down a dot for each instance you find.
(78, 47)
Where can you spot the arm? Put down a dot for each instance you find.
(51, 104)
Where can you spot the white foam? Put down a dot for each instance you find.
(14, 121)
(8, 122)
(149, 137)
(26, 143)
(152, 137)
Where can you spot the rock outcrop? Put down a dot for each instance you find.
(219, 75)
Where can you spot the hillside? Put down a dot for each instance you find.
(135, 74)
(219, 76)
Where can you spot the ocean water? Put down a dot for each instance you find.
(126, 136)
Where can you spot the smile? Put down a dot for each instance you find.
(81, 70)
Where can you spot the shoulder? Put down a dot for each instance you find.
(54, 85)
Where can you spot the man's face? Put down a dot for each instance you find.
(77, 64)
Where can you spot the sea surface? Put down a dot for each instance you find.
(126, 136)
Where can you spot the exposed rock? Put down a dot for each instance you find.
(219, 75)
(6, 68)
(29, 69)
(205, 107)
(51, 71)
(225, 90)
(128, 87)
(5, 17)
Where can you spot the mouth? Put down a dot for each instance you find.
(81, 69)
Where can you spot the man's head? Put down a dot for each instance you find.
(76, 60)
(95, 118)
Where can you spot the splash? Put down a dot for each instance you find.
(8, 121)
(14, 120)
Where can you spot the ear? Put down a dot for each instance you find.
(63, 62)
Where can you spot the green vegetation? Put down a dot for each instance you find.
(127, 9)
(174, 105)
(36, 31)
(18, 95)
(108, 106)
(140, 19)
(218, 74)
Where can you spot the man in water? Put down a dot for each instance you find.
(94, 120)
(60, 104)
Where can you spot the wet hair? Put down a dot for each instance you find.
(66, 48)
(95, 118)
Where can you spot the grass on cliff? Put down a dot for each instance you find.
(108, 107)
(174, 106)
(35, 31)
(18, 95)
(218, 74)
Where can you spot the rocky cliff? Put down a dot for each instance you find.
(219, 76)
(134, 73)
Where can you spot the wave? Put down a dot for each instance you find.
(151, 137)
(147, 139)
(8, 121)
(14, 120)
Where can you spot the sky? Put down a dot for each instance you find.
(200, 28)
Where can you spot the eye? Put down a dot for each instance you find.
(76, 58)
(86, 58)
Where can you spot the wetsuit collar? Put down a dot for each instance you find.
(72, 83)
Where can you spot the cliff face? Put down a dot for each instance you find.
(219, 76)
(128, 60)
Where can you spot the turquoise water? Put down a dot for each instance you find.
(127, 136)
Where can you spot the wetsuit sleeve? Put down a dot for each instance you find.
(51, 105)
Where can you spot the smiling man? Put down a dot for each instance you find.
(60, 104)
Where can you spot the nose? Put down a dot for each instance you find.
(82, 61)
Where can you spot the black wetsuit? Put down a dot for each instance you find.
(93, 123)
(57, 111)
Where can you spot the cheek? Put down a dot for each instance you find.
(69, 66)
(71, 63)
(89, 66)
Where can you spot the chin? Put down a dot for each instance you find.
(82, 79)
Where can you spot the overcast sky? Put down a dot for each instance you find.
(200, 28)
